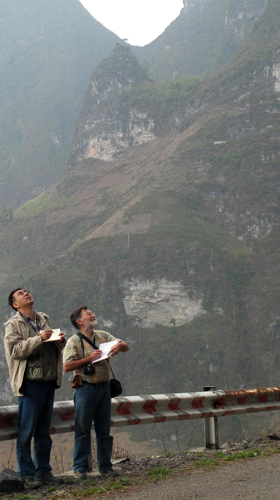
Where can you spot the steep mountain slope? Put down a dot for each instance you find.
(175, 243)
(203, 38)
(48, 51)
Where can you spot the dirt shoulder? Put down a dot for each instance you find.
(255, 478)
(248, 469)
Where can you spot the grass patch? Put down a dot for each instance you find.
(90, 481)
(218, 454)
(51, 489)
(96, 490)
(248, 454)
(210, 463)
(90, 491)
(69, 480)
(270, 451)
(22, 496)
(120, 483)
(159, 472)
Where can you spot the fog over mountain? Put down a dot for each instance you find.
(48, 51)
(166, 223)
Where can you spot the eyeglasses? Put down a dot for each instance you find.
(20, 293)
(88, 314)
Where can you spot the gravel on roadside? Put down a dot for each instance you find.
(134, 472)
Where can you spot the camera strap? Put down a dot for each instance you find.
(84, 337)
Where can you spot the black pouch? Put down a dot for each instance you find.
(116, 387)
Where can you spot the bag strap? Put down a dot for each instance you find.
(82, 344)
(84, 337)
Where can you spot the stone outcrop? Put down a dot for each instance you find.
(108, 125)
(276, 76)
(238, 14)
(160, 302)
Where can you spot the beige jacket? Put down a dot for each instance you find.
(19, 345)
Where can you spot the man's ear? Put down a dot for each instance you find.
(15, 305)
(79, 321)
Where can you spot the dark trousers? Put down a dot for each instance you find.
(34, 418)
(93, 404)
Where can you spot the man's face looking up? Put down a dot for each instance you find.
(22, 298)
(87, 319)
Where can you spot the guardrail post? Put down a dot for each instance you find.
(211, 428)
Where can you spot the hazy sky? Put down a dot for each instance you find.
(141, 21)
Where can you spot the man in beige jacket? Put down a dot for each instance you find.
(35, 367)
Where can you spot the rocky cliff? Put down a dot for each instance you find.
(203, 38)
(239, 9)
(108, 124)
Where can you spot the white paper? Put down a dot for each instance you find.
(54, 336)
(105, 347)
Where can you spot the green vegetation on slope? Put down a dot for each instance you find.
(164, 100)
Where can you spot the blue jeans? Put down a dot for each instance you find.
(34, 417)
(93, 404)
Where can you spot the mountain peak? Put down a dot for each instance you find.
(108, 125)
(188, 4)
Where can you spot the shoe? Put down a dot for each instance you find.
(51, 480)
(110, 473)
(81, 474)
(32, 484)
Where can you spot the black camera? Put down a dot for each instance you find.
(89, 369)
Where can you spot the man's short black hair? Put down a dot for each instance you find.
(12, 299)
(77, 315)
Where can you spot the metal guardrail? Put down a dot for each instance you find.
(135, 410)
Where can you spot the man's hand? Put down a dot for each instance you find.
(61, 335)
(45, 335)
(96, 354)
(80, 363)
(115, 349)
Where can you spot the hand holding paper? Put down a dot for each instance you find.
(55, 336)
(105, 347)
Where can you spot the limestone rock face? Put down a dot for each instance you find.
(251, 8)
(276, 76)
(108, 125)
(237, 13)
(160, 302)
